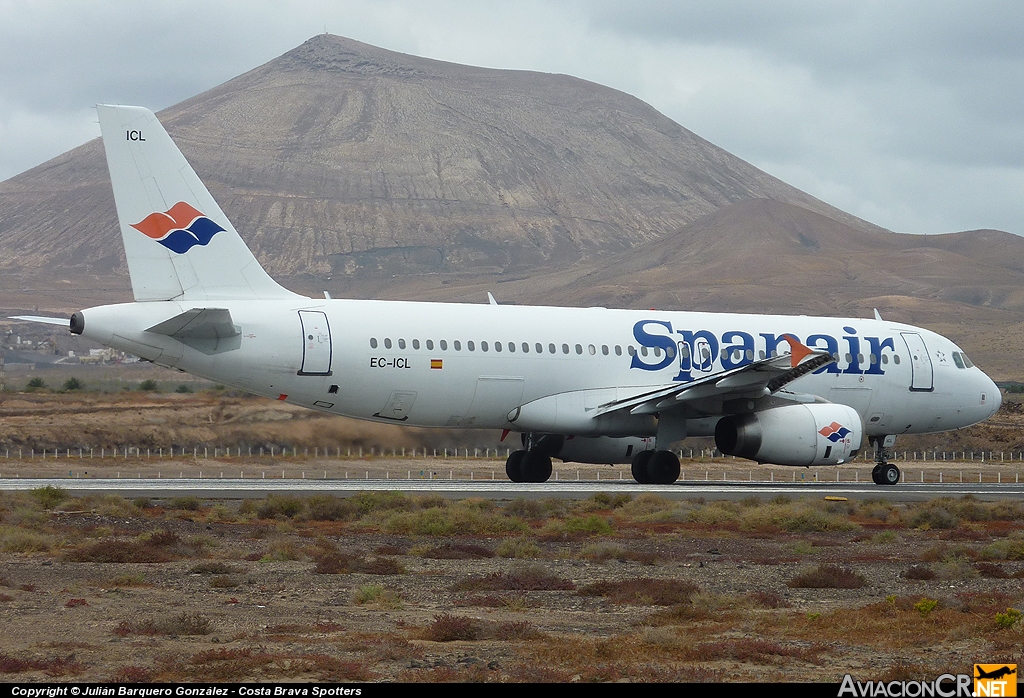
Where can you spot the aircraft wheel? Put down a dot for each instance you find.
(536, 466)
(890, 474)
(663, 468)
(876, 475)
(639, 469)
(514, 466)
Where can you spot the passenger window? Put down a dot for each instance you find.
(457, 345)
(483, 346)
(684, 350)
(387, 343)
(565, 348)
(760, 354)
(401, 344)
(443, 344)
(618, 350)
(470, 345)
(604, 349)
(860, 358)
(526, 348)
(630, 350)
(430, 344)
(849, 359)
(579, 349)
(497, 346)
(415, 344)
(872, 359)
(551, 348)
(643, 350)
(750, 354)
(373, 342)
(896, 359)
(511, 346)
(885, 358)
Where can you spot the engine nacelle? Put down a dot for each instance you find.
(601, 450)
(802, 434)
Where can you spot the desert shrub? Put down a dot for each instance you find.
(1008, 618)
(330, 508)
(518, 548)
(827, 577)
(1009, 548)
(525, 578)
(121, 552)
(183, 388)
(334, 562)
(34, 384)
(517, 630)
(49, 496)
(576, 527)
(73, 384)
(14, 539)
(452, 520)
(643, 591)
(376, 594)
(187, 503)
(934, 517)
(275, 506)
(652, 508)
(371, 502)
(148, 385)
(185, 623)
(447, 628)
(925, 606)
(990, 570)
(919, 573)
(224, 581)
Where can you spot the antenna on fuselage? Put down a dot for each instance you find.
(878, 316)
(490, 299)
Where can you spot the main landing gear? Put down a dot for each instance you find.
(883, 473)
(533, 463)
(655, 467)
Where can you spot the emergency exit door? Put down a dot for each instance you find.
(316, 343)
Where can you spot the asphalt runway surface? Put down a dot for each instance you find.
(501, 490)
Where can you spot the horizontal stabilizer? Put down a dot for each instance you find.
(198, 323)
(38, 318)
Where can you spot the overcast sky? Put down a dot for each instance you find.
(908, 114)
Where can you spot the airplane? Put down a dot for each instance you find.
(590, 385)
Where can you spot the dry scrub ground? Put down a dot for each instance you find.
(391, 587)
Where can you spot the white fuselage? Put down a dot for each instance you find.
(438, 364)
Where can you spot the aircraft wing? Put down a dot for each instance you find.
(39, 318)
(763, 377)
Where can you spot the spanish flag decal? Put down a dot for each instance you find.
(437, 363)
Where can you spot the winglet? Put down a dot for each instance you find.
(797, 350)
(878, 316)
(490, 299)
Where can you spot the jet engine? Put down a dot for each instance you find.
(602, 450)
(799, 434)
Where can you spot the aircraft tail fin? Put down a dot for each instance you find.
(178, 242)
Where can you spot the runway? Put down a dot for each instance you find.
(499, 490)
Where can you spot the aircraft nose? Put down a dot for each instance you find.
(997, 396)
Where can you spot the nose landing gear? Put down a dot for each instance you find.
(884, 473)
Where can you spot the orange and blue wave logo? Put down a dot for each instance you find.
(834, 432)
(179, 229)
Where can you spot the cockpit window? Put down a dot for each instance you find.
(967, 362)
(957, 360)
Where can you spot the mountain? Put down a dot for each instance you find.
(340, 158)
